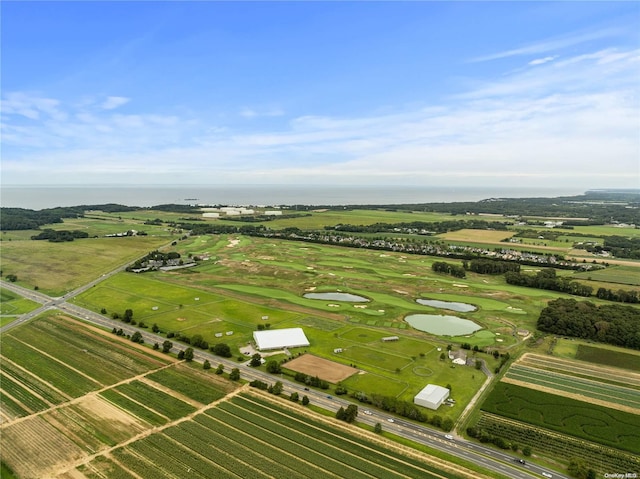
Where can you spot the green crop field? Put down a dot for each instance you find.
(157, 400)
(595, 423)
(559, 447)
(629, 275)
(574, 385)
(609, 356)
(249, 436)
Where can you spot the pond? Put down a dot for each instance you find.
(352, 298)
(442, 325)
(459, 307)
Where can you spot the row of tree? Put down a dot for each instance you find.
(422, 227)
(490, 266)
(448, 268)
(548, 279)
(612, 323)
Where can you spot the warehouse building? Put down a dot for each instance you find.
(431, 396)
(280, 338)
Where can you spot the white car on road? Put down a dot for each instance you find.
(448, 436)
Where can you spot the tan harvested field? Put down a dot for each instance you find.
(323, 368)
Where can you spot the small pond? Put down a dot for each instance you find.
(352, 298)
(459, 307)
(442, 325)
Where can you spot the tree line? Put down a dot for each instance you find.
(548, 279)
(60, 236)
(612, 324)
(422, 227)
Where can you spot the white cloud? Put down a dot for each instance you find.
(540, 61)
(569, 119)
(113, 102)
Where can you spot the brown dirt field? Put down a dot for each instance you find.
(34, 446)
(323, 368)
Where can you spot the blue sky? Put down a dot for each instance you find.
(420, 93)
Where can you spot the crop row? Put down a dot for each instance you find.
(608, 356)
(348, 454)
(54, 372)
(76, 428)
(307, 450)
(278, 463)
(10, 408)
(157, 400)
(82, 356)
(580, 419)
(139, 411)
(167, 456)
(558, 446)
(23, 395)
(581, 369)
(33, 383)
(103, 468)
(320, 431)
(141, 465)
(222, 451)
(570, 384)
(186, 382)
(106, 347)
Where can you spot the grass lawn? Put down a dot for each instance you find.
(57, 268)
(13, 304)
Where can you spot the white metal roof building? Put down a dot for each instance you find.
(431, 396)
(280, 338)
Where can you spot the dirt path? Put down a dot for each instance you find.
(65, 468)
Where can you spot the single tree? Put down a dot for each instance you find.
(156, 346)
(377, 428)
(351, 413)
(188, 355)
(206, 364)
(166, 346)
(305, 400)
(155, 328)
(256, 360)
(273, 367)
(234, 375)
(181, 354)
(295, 397)
(277, 388)
(137, 337)
(220, 369)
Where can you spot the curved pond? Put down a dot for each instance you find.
(453, 306)
(442, 325)
(351, 298)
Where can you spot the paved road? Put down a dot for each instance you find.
(492, 459)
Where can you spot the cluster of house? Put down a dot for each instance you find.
(234, 211)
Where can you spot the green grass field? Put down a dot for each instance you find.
(609, 356)
(57, 268)
(622, 275)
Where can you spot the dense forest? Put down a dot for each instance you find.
(25, 219)
(612, 324)
(547, 279)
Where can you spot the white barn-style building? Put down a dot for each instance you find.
(280, 338)
(432, 396)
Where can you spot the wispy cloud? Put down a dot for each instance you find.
(549, 45)
(113, 102)
(541, 61)
(257, 112)
(570, 118)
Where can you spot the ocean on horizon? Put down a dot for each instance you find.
(40, 197)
